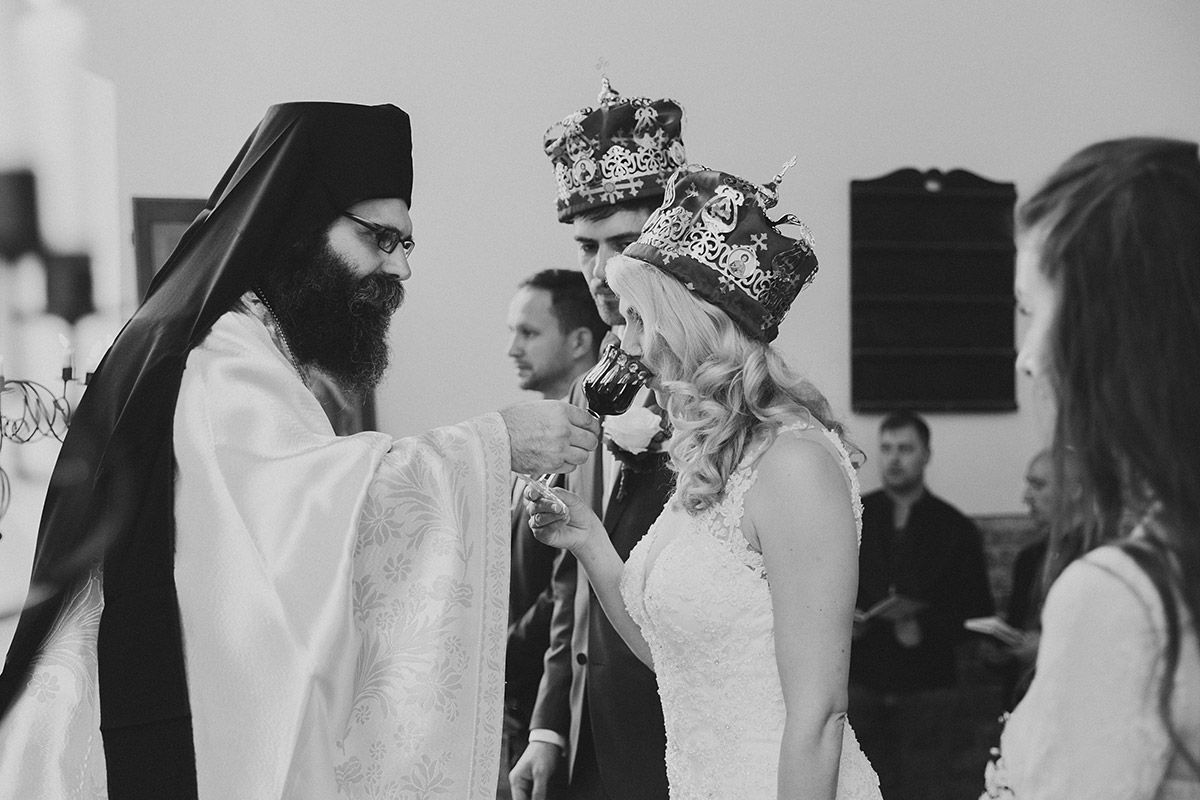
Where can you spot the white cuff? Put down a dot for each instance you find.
(549, 736)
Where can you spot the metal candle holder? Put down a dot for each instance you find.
(43, 415)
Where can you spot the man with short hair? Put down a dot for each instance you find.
(555, 339)
(555, 331)
(903, 667)
(229, 600)
(1050, 496)
(598, 714)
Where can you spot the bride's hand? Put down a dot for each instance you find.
(562, 519)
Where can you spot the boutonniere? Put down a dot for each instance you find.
(636, 437)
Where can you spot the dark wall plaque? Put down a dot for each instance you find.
(931, 272)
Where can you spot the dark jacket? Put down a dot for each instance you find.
(619, 696)
(938, 558)
(1024, 612)
(530, 605)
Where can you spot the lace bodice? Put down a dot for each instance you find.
(701, 595)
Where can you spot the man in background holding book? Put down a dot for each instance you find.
(921, 574)
(1014, 640)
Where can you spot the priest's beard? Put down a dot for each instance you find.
(334, 319)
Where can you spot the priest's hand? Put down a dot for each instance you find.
(549, 435)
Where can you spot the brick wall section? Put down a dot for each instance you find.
(1003, 537)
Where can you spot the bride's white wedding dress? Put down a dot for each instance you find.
(702, 598)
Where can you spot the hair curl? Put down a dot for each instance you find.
(723, 388)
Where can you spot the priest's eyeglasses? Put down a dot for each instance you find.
(387, 238)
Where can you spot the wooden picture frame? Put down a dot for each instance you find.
(158, 224)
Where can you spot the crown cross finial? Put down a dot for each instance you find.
(791, 162)
(608, 95)
(770, 194)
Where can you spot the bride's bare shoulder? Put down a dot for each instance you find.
(801, 462)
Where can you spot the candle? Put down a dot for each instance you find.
(94, 334)
(50, 39)
(93, 361)
(36, 350)
(68, 359)
(28, 287)
(13, 150)
(103, 199)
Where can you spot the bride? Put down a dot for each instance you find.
(741, 596)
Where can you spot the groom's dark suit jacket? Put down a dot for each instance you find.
(589, 671)
(530, 605)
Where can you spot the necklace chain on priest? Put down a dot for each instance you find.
(287, 347)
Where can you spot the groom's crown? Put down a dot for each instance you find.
(624, 149)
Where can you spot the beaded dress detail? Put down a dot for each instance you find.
(702, 598)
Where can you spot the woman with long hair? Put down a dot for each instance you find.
(1108, 274)
(741, 596)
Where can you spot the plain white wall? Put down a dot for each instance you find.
(853, 89)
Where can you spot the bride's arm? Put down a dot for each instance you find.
(800, 512)
(580, 531)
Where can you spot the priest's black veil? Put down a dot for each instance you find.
(111, 496)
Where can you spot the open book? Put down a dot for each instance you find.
(892, 607)
(996, 627)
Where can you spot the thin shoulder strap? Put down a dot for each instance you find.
(833, 443)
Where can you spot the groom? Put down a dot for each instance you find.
(598, 715)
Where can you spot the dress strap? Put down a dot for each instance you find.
(723, 521)
(831, 442)
(851, 473)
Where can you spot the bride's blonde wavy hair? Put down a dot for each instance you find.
(723, 387)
